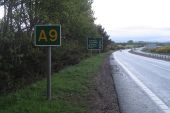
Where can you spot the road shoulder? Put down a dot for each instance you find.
(103, 96)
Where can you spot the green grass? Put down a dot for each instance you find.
(70, 89)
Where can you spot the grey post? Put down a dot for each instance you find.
(99, 51)
(91, 52)
(49, 74)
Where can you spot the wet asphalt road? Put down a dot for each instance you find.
(153, 73)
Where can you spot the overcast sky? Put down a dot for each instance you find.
(140, 20)
(147, 20)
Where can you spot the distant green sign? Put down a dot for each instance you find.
(95, 43)
(48, 35)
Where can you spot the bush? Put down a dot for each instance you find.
(22, 63)
(165, 49)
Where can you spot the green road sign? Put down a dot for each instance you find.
(95, 43)
(48, 35)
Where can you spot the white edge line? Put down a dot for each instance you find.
(156, 99)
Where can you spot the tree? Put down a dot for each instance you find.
(130, 42)
(105, 36)
(18, 61)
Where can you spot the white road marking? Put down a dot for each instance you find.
(155, 98)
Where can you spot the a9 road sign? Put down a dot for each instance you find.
(48, 35)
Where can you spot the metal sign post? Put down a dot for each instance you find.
(48, 35)
(99, 51)
(49, 74)
(91, 52)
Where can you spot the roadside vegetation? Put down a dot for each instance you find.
(70, 91)
(161, 50)
(21, 63)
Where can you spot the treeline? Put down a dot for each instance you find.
(21, 62)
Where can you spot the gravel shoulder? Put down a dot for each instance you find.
(103, 95)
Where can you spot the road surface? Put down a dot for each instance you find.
(143, 84)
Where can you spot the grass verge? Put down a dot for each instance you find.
(70, 89)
